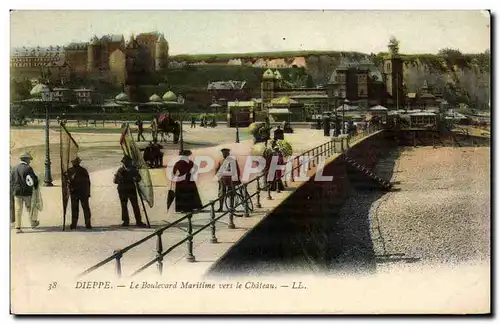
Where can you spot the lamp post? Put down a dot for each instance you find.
(46, 99)
(346, 102)
(237, 106)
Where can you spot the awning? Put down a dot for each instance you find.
(378, 108)
(279, 111)
(283, 101)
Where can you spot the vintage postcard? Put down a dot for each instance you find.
(250, 162)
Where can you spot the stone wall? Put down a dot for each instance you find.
(300, 232)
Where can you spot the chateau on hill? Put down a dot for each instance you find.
(109, 58)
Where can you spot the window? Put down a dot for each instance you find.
(388, 66)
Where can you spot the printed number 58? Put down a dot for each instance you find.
(52, 285)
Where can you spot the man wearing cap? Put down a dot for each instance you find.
(127, 178)
(79, 188)
(140, 130)
(226, 182)
(23, 179)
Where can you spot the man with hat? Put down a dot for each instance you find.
(79, 188)
(23, 179)
(127, 178)
(226, 182)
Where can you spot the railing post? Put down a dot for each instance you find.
(258, 194)
(290, 161)
(190, 257)
(159, 251)
(269, 184)
(231, 211)
(213, 239)
(245, 201)
(118, 263)
(309, 160)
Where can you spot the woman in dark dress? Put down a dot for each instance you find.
(187, 198)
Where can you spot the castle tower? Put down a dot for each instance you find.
(161, 53)
(158, 54)
(393, 72)
(91, 51)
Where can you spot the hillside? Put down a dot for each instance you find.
(461, 78)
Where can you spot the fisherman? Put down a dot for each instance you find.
(226, 182)
(279, 134)
(127, 178)
(23, 180)
(140, 130)
(79, 188)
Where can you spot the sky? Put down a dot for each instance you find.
(196, 32)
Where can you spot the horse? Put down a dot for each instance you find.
(166, 126)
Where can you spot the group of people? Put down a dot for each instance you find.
(140, 129)
(24, 181)
(203, 122)
(127, 177)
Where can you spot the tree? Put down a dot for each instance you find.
(393, 45)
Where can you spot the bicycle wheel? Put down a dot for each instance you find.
(239, 208)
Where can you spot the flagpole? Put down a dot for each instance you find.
(62, 173)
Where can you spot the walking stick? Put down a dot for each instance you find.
(143, 207)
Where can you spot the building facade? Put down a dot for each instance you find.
(104, 58)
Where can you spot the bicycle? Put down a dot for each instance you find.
(240, 195)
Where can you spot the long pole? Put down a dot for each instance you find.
(143, 207)
(48, 175)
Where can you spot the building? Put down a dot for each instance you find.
(231, 90)
(425, 99)
(62, 95)
(359, 82)
(393, 73)
(35, 58)
(103, 57)
(310, 100)
(84, 96)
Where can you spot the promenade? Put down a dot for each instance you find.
(39, 253)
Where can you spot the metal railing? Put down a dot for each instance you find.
(313, 159)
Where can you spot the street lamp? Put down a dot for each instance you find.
(180, 101)
(237, 105)
(45, 91)
(345, 104)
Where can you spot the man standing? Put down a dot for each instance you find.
(226, 182)
(154, 129)
(127, 178)
(193, 122)
(140, 130)
(79, 188)
(23, 179)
